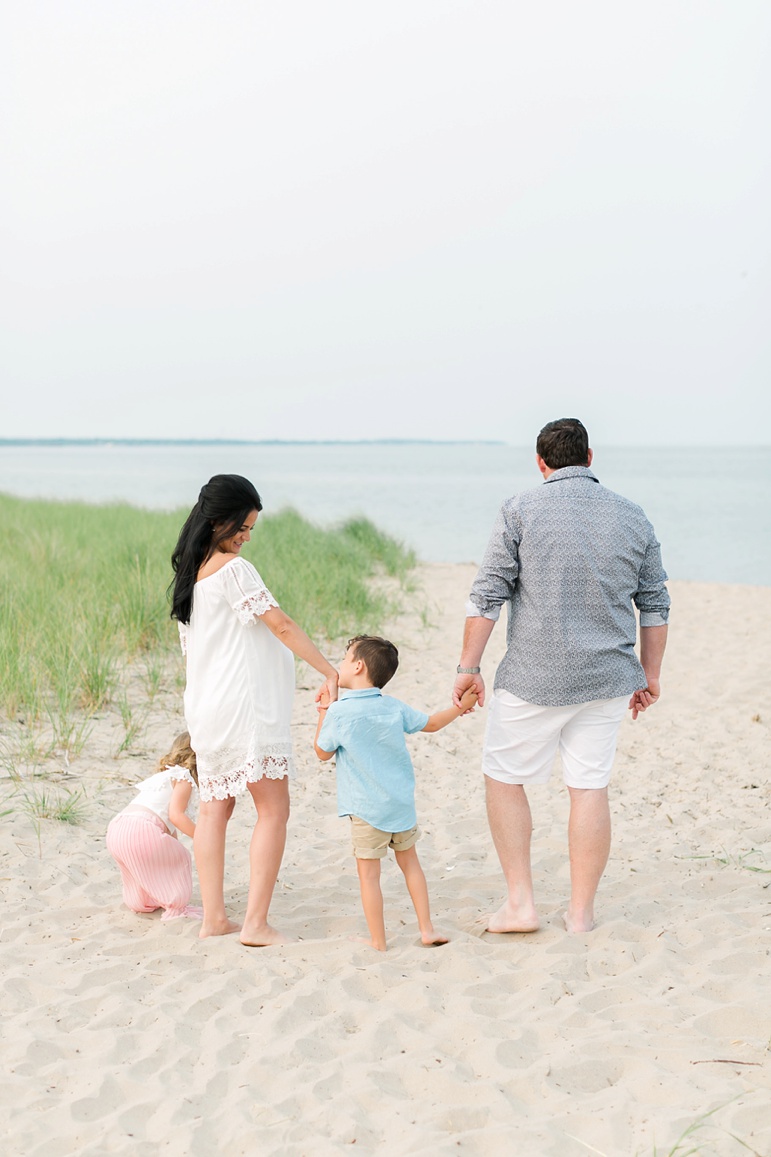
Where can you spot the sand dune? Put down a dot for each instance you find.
(123, 1034)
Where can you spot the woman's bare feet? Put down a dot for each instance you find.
(578, 922)
(263, 936)
(218, 928)
(511, 919)
(369, 942)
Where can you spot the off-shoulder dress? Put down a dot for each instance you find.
(240, 684)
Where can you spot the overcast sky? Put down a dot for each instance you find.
(418, 218)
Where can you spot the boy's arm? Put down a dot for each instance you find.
(324, 699)
(441, 719)
(322, 754)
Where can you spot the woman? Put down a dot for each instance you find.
(238, 697)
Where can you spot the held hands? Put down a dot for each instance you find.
(642, 700)
(468, 700)
(325, 695)
(465, 683)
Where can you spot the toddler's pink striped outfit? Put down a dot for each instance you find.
(155, 867)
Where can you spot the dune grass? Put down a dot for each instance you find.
(84, 597)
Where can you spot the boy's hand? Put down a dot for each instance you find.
(468, 700)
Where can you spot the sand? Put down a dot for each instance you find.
(122, 1034)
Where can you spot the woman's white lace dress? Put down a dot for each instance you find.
(240, 683)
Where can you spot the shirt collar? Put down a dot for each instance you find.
(572, 472)
(360, 692)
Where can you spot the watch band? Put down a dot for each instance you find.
(468, 670)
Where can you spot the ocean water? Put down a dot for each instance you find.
(711, 507)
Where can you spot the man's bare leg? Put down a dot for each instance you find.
(589, 840)
(271, 798)
(511, 825)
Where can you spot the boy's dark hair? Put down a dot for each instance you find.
(563, 443)
(379, 656)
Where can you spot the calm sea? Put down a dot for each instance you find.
(711, 507)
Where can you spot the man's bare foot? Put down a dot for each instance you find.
(218, 928)
(578, 923)
(432, 939)
(369, 943)
(263, 937)
(511, 919)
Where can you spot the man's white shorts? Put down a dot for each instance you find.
(523, 738)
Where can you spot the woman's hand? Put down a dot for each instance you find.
(327, 693)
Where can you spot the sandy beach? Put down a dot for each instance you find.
(123, 1034)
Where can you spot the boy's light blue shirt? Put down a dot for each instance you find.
(375, 778)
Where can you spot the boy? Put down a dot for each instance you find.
(375, 778)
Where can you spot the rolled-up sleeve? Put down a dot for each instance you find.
(652, 597)
(497, 577)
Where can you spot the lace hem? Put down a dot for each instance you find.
(253, 606)
(182, 637)
(220, 782)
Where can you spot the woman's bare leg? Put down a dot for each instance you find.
(209, 849)
(271, 798)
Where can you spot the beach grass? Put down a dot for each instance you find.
(85, 600)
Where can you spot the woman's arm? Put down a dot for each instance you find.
(295, 638)
(180, 798)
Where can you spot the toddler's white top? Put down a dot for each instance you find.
(154, 793)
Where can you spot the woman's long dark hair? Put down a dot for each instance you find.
(226, 501)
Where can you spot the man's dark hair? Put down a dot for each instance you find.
(563, 443)
(380, 657)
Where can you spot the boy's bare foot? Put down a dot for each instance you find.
(433, 939)
(511, 919)
(218, 928)
(263, 936)
(578, 923)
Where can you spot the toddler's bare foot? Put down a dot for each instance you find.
(190, 910)
(218, 928)
(578, 922)
(263, 936)
(432, 939)
(511, 919)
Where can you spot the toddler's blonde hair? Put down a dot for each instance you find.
(181, 755)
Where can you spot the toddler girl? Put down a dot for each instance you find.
(156, 869)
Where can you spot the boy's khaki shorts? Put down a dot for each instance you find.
(371, 844)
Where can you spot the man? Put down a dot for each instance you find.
(570, 558)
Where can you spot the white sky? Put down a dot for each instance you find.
(418, 218)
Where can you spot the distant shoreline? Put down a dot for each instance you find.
(247, 442)
(54, 443)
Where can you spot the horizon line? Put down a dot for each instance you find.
(105, 441)
(250, 442)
